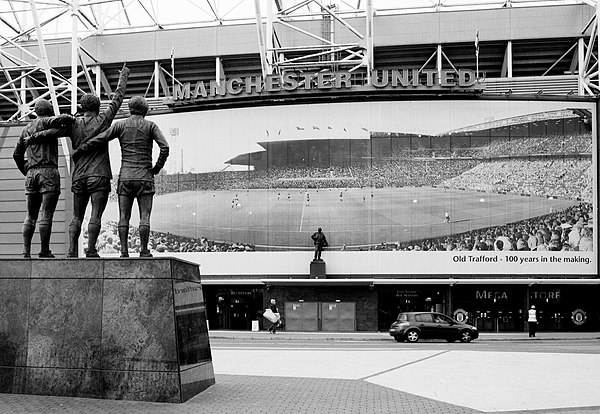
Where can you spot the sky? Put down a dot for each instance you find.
(111, 14)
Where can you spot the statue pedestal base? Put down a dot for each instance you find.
(317, 269)
(124, 329)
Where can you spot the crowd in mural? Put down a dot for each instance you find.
(382, 173)
(487, 147)
(553, 144)
(557, 177)
(108, 242)
(567, 230)
(547, 166)
(568, 178)
(513, 165)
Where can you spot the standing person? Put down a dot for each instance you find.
(532, 321)
(136, 178)
(586, 243)
(320, 242)
(447, 217)
(42, 179)
(91, 172)
(273, 307)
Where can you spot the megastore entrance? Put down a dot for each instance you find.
(501, 308)
(496, 308)
(489, 307)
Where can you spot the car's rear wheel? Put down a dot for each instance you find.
(412, 335)
(399, 338)
(466, 336)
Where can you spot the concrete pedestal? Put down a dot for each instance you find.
(317, 269)
(130, 329)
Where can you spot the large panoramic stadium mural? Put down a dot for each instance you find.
(490, 180)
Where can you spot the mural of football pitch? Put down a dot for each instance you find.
(284, 219)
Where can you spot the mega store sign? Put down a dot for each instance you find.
(427, 80)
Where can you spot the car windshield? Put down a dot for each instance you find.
(402, 317)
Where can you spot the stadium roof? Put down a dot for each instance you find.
(61, 48)
(17, 21)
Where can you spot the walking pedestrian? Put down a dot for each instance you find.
(532, 321)
(273, 307)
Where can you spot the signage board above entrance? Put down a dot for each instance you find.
(427, 81)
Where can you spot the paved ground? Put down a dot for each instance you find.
(287, 378)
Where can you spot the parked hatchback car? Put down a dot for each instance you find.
(412, 326)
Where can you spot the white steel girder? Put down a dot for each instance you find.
(20, 71)
(321, 52)
(588, 55)
(23, 84)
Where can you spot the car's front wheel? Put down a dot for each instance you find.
(399, 338)
(412, 335)
(466, 336)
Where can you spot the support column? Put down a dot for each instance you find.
(369, 35)
(439, 64)
(527, 294)
(98, 80)
(156, 79)
(509, 59)
(597, 35)
(269, 38)
(74, 54)
(23, 94)
(219, 72)
(580, 66)
(261, 40)
(46, 66)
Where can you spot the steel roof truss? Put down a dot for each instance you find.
(314, 36)
(13, 89)
(45, 22)
(164, 85)
(10, 26)
(327, 52)
(427, 61)
(449, 62)
(86, 73)
(16, 103)
(339, 19)
(560, 59)
(574, 61)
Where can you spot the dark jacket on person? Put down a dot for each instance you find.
(319, 239)
(136, 137)
(82, 128)
(42, 154)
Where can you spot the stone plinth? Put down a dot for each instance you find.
(131, 329)
(317, 269)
